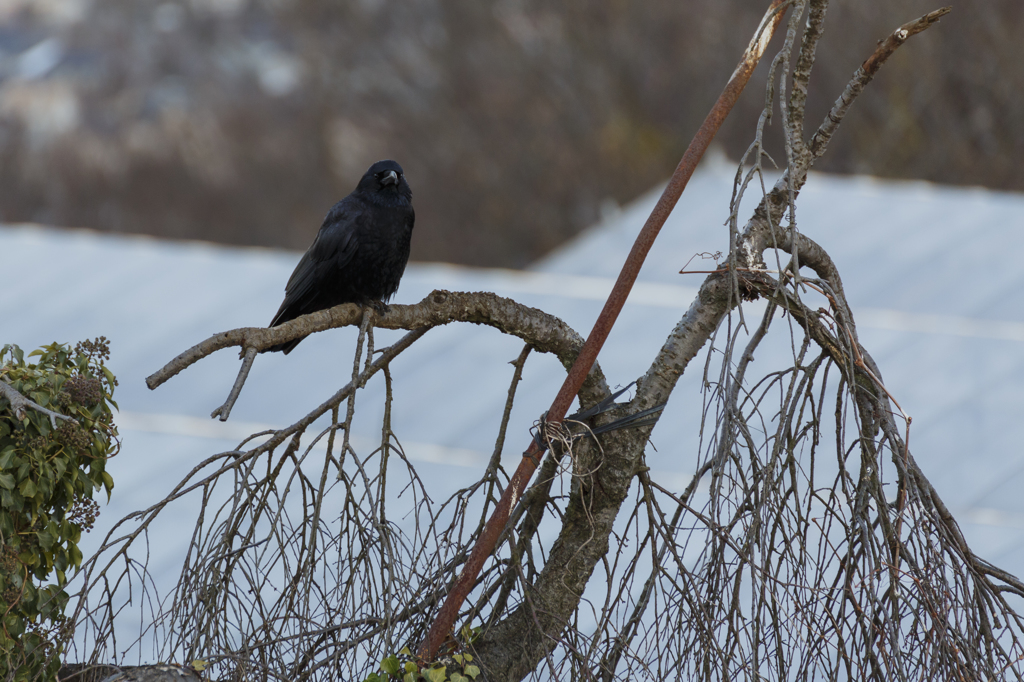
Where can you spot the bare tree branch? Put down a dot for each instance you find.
(866, 73)
(544, 332)
(20, 403)
(808, 544)
(595, 501)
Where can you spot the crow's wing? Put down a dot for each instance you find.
(331, 252)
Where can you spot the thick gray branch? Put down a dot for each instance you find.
(20, 403)
(544, 332)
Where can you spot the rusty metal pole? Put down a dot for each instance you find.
(484, 547)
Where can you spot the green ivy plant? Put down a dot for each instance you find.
(49, 471)
(405, 667)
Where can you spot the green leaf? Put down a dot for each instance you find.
(472, 671)
(405, 651)
(469, 634)
(76, 559)
(7, 481)
(390, 665)
(411, 667)
(436, 674)
(11, 500)
(14, 625)
(409, 677)
(457, 658)
(60, 560)
(27, 488)
(458, 677)
(46, 538)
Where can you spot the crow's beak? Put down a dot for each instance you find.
(390, 178)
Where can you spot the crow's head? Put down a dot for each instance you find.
(385, 180)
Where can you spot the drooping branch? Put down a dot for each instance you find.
(596, 500)
(874, 411)
(836, 335)
(231, 461)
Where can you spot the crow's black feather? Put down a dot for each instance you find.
(360, 252)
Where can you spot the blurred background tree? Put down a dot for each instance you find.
(518, 123)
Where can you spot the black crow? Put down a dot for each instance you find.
(360, 252)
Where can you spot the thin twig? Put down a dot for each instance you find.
(225, 410)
